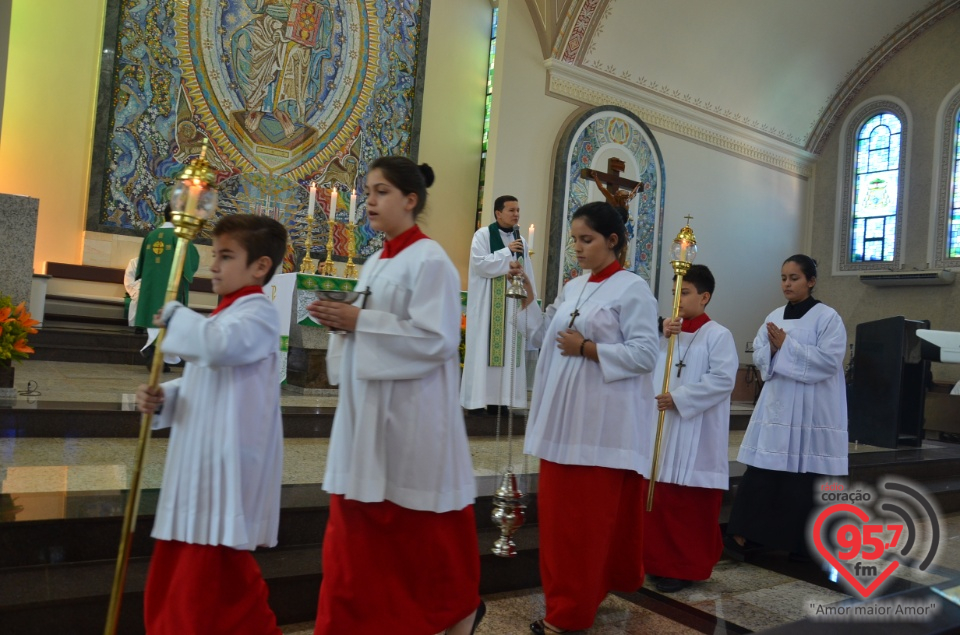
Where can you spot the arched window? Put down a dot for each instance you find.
(872, 193)
(946, 243)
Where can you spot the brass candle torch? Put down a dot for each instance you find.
(683, 252)
(193, 200)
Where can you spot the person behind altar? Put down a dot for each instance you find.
(153, 272)
(495, 255)
(681, 538)
(220, 496)
(400, 553)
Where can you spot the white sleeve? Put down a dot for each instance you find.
(164, 418)
(716, 384)
(242, 334)
(395, 348)
(813, 363)
(484, 263)
(637, 354)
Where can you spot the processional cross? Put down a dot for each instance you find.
(620, 190)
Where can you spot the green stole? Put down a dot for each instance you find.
(497, 342)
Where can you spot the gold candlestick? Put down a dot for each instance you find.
(351, 270)
(328, 268)
(683, 250)
(308, 265)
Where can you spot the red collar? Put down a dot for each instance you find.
(606, 272)
(691, 325)
(393, 246)
(230, 298)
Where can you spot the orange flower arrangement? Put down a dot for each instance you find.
(15, 325)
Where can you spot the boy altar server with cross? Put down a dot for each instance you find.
(682, 540)
(495, 255)
(220, 496)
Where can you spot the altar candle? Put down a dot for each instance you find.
(530, 237)
(313, 199)
(333, 204)
(353, 207)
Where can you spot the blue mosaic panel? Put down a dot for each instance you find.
(286, 91)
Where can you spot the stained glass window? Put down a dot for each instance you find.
(953, 244)
(876, 182)
(486, 113)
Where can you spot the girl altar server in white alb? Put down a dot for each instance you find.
(682, 540)
(592, 395)
(400, 554)
(220, 497)
(798, 431)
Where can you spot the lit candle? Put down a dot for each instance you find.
(333, 204)
(530, 237)
(353, 207)
(193, 198)
(313, 199)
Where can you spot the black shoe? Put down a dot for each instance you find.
(481, 611)
(672, 585)
(540, 628)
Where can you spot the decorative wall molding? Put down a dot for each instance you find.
(870, 65)
(589, 88)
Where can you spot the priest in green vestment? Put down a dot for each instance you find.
(153, 271)
(494, 254)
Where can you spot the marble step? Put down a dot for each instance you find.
(93, 343)
(73, 599)
(53, 419)
(90, 529)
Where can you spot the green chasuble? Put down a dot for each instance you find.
(153, 270)
(498, 308)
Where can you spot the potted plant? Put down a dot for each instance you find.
(15, 325)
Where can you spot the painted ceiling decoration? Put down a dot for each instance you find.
(765, 79)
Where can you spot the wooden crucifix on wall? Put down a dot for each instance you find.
(620, 190)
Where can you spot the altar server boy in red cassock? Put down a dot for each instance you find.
(682, 540)
(220, 497)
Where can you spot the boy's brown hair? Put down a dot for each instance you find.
(259, 235)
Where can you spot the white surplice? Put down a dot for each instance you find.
(484, 385)
(589, 413)
(696, 433)
(398, 433)
(224, 467)
(800, 421)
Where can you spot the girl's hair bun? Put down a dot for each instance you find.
(427, 173)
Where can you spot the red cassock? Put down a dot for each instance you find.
(389, 569)
(682, 532)
(591, 538)
(209, 590)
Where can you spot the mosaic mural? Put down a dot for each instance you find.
(285, 91)
(603, 133)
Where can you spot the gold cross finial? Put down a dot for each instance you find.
(688, 217)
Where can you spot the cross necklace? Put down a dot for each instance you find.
(576, 308)
(680, 365)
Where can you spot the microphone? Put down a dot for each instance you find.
(516, 236)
